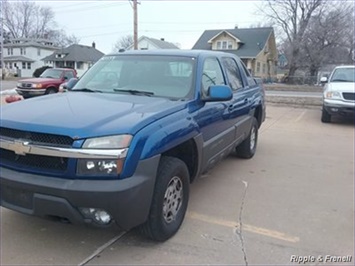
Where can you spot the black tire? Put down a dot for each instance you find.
(326, 117)
(51, 91)
(247, 148)
(161, 225)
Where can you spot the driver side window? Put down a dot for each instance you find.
(212, 74)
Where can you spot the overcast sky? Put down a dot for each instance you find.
(180, 22)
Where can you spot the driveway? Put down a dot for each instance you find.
(294, 200)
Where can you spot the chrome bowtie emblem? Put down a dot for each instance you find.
(20, 147)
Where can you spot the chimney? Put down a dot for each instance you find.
(236, 26)
(162, 39)
(93, 45)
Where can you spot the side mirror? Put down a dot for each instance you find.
(218, 93)
(323, 80)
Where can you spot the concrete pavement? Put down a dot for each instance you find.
(294, 198)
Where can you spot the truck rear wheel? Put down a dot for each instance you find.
(170, 198)
(247, 148)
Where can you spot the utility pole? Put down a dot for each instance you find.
(2, 41)
(135, 25)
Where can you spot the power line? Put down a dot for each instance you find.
(90, 8)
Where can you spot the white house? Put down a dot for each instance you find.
(146, 43)
(77, 56)
(22, 56)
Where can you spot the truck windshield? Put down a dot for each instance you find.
(52, 73)
(343, 75)
(141, 75)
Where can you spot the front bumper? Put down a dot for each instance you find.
(339, 107)
(30, 92)
(126, 200)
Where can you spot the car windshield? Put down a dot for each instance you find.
(52, 73)
(141, 75)
(343, 75)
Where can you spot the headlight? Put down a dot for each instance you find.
(19, 84)
(332, 95)
(103, 167)
(37, 85)
(109, 142)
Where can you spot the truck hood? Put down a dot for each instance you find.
(82, 115)
(39, 80)
(341, 86)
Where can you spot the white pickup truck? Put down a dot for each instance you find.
(339, 93)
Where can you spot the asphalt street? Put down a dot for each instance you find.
(294, 200)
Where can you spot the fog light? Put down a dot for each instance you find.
(334, 109)
(99, 216)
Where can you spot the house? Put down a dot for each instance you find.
(23, 55)
(77, 56)
(255, 46)
(146, 43)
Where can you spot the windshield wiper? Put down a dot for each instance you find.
(86, 90)
(340, 80)
(136, 92)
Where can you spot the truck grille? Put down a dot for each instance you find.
(349, 96)
(26, 85)
(38, 162)
(37, 138)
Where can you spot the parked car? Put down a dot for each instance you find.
(339, 93)
(125, 143)
(47, 83)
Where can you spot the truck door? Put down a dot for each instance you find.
(213, 118)
(239, 107)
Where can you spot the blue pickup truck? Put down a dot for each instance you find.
(125, 143)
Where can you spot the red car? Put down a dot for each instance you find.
(47, 83)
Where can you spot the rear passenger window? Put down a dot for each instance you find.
(233, 73)
(212, 74)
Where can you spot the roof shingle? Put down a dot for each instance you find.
(76, 52)
(253, 40)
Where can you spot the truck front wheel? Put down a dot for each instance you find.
(170, 198)
(326, 117)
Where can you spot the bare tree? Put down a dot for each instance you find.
(293, 17)
(26, 19)
(61, 39)
(329, 38)
(123, 43)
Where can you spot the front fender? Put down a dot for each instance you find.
(159, 137)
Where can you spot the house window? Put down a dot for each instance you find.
(23, 65)
(258, 67)
(10, 65)
(10, 51)
(38, 51)
(22, 51)
(224, 45)
(28, 65)
(79, 65)
(264, 68)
